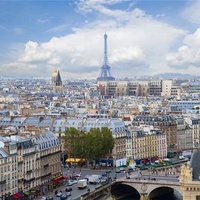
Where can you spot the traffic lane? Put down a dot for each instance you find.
(76, 192)
(89, 172)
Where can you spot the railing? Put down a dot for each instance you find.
(140, 181)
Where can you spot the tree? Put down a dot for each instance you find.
(70, 141)
(92, 145)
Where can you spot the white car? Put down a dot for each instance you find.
(59, 194)
(71, 182)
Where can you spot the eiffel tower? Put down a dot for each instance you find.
(105, 69)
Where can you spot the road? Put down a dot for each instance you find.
(135, 174)
(84, 171)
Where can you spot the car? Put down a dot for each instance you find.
(76, 175)
(49, 198)
(87, 177)
(63, 197)
(69, 189)
(104, 174)
(122, 169)
(108, 171)
(118, 171)
(59, 194)
(181, 157)
(71, 182)
(68, 194)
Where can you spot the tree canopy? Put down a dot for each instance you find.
(88, 145)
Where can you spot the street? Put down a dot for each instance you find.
(84, 171)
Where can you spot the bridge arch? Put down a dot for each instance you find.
(165, 192)
(145, 188)
(124, 190)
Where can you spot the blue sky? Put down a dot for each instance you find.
(144, 37)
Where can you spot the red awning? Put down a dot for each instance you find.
(16, 196)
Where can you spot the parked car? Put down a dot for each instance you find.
(59, 194)
(68, 194)
(69, 189)
(63, 197)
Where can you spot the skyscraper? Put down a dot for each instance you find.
(105, 69)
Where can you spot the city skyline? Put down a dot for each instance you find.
(144, 37)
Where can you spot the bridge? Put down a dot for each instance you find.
(140, 189)
(143, 189)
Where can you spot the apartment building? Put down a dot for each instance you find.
(8, 168)
(166, 124)
(29, 161)
(138, 88)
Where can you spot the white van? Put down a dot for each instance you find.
(94, 179)
(82, 184)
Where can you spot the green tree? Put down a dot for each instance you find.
(92, 145)
(71, 138)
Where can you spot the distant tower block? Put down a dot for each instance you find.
(105, 69)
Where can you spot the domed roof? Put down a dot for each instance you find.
(55, 73)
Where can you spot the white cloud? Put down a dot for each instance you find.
(86, 6)
(191, 12)
(188, 55)
(137, 45)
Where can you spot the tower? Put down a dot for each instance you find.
(105, 69)
(56, 82)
